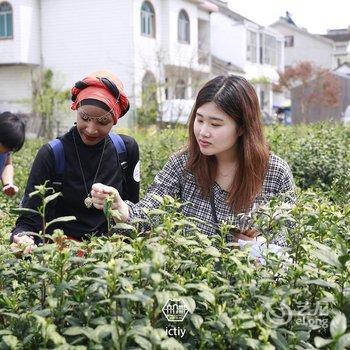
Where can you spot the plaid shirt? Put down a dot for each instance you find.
(175, 181)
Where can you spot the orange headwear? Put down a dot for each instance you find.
(105, 87)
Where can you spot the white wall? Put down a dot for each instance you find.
(228, 39)
(148, 50)
(151, 54)
(82, 36)
(182, 54)
(306, 48)
(25, 45)
(15, 88)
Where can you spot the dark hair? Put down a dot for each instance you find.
(12, 131)
(235, 96)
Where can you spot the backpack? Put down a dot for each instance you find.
(58, 151)
(3, 158)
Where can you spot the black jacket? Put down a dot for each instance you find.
(89, 221)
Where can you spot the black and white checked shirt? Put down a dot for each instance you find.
(175, 181)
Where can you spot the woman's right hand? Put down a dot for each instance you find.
(25, 241)
(100, 192)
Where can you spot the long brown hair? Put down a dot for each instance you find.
(235, 96)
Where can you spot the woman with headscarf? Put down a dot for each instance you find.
(86, 154)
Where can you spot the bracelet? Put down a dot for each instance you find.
(4, 185)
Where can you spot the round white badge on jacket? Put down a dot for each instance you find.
(136, 173)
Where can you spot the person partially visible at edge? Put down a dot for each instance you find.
(90, 156)
(226, 169)
(12, 136)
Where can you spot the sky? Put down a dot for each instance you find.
(315, 15)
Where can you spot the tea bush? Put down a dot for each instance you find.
(318, 155)
(109, 293)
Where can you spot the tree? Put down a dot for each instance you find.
(147, 113)
(316, 85)
(46, 100)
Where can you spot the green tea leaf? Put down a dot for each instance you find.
(207, 296)
(24, 211)
(321, 342)
(60, 219)
(143, 342)
(343, 342)
(171, 344)
(338, 325)
(197, 320)
(52, 197)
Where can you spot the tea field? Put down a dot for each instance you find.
(178, 289)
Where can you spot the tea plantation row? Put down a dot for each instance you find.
(110, 293)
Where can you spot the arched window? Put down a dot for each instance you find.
(6, 21)
(180, 90)
(183, 31)
(148, 20)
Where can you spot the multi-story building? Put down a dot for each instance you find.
(20, 52)
(161, 42)
(249, 49)
(300, 45)
(341, 38)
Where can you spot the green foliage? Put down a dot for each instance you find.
(155, 148)
(318, 155)
(46, 100)
(109, 292)
(148, 112)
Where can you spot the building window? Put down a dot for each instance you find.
(148, 20)
(340, 48)
(166, 89)
(261, 48)
(262, 99)
(289, 41)
(183, 32)
(270, 50)
(252, 39)
(6, 21)
(180, 90)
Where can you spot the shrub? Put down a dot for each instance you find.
(109, 292)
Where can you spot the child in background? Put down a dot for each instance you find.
(12, 135)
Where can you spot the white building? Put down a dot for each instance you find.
(249, 49)
(300, 45)
(166, 42)
(341, 39)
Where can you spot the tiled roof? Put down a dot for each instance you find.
(225, 66)
(282, 21)
(338, 37)
(228, 12)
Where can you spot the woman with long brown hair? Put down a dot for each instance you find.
(227, 167)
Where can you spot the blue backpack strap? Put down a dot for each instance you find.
(120, 147)
(3, 157)
(121, 150)
(58, 151)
